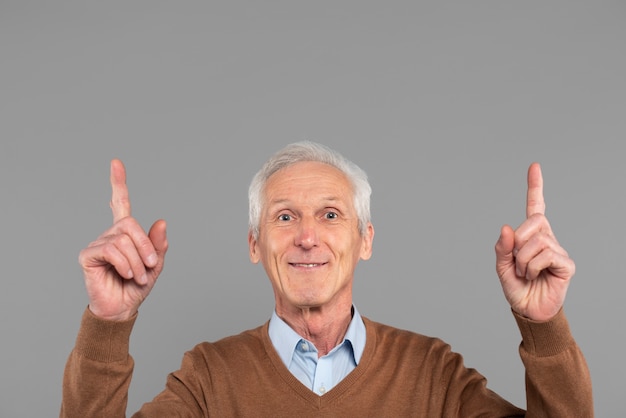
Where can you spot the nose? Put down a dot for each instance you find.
(306, 235)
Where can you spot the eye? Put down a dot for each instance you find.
(331, 215)
(284, 217)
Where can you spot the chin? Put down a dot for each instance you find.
(308, 301)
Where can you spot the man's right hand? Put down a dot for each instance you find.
(123, 264)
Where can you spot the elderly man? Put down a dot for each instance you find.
(317, 356)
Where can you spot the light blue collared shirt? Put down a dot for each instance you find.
(301, 358)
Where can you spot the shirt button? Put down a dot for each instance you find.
(304, 346)
(322, 390)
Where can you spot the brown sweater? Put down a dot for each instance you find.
(401, 374)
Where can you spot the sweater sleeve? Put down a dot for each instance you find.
(99, 369)
(558, 383)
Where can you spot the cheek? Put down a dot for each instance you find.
(273, 248)
(348, 248)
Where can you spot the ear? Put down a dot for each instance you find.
(253, 248)
(366, 242)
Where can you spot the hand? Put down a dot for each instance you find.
(123, 264)
(534, 269)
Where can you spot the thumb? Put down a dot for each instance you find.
(158, 236)
(504, 249)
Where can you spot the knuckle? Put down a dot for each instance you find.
(82, 257)
(120, 203)
(121, 240)
(146, 245)
(109, 251)
(126, 222)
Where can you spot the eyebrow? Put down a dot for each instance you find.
(281, 201)
(336, 202)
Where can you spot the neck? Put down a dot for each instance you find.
(324, 327)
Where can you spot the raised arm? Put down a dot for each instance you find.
(120, 269)
(535, 272)
(123, 264)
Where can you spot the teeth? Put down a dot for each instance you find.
(306, 265)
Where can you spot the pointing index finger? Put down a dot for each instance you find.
(120, 203)
(534, 197)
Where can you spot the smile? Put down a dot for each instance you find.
(307, 265)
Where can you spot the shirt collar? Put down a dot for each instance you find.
(284, 338)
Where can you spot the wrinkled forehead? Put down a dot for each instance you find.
(308, 179)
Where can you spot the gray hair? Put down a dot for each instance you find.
(309, 151)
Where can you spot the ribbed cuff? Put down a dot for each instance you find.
(103, 340)
(544, 339)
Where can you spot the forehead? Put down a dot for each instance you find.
(308, 178)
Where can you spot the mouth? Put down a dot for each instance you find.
(306, 265)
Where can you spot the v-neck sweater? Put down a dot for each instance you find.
(401, 374)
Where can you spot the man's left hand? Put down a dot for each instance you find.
(534, 269)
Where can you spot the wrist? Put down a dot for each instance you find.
(104, 340)
(107, 315)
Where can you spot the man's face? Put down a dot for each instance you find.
(309, 241)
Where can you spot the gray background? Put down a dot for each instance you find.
(443, 104)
